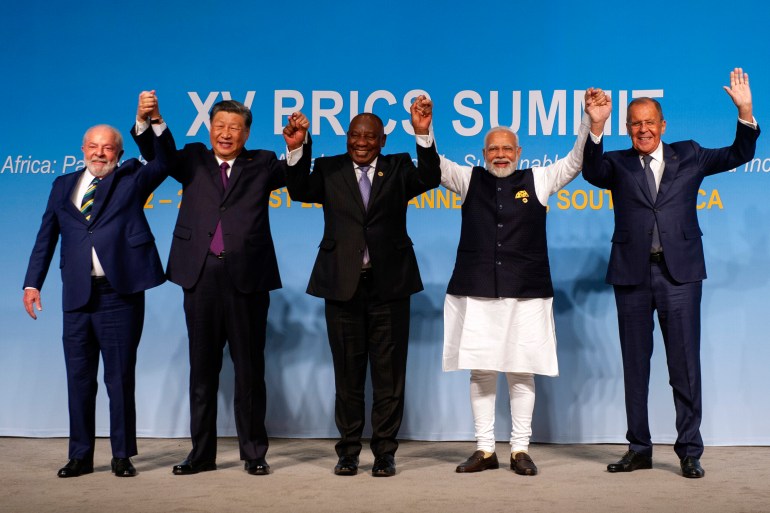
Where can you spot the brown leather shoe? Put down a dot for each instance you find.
(477, 462)
(523, 465)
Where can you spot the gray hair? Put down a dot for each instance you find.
(115, 131)
(500, 129)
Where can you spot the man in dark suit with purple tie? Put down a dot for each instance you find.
(657, 261)
(222, 256)
(366, 271)
(108, 260)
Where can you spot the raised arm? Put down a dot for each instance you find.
(598, 107)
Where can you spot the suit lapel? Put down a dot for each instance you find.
(634, 164)
(381, 173)
(212, 165)
(69, 190)
(235, 173)
(671, 161)
(103, 191)
(349, 177)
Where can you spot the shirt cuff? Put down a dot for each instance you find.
(293, 156)
(752, 124)
(426, 141)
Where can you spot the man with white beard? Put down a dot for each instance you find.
(498, 313)
(108, 259)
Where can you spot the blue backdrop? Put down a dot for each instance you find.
(485, 63)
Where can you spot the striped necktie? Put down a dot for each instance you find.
(87, 203)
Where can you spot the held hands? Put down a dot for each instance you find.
(598, 107)
(295, 131)
(32, 299)
(148, 106)
(740, 92)
(422, 114)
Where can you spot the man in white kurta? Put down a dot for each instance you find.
(508, 326)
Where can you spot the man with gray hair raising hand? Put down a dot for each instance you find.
(498, 312)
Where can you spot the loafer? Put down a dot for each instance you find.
(258, 467)
(76, 468)
(384, 466)
(477, 462)
(122, 467)
(188, 467)
(522, 464)
(630, 461)
(691, 467)
(346, 466)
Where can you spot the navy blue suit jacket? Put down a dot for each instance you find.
(686, 164)
(118, 230)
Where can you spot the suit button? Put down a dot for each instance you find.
(211, 234)
(499, 207)
(499, 244)
(499, 262)
(222, 209)
(499, 189)
(499, 225)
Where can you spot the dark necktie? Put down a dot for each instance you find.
(656, 247)
(365, 186)
(217, 241)
(87, 203)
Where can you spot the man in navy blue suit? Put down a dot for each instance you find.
(108, 260)
(657, 261)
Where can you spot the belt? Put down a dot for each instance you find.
(220, 256)
(99, 280)
(366, 273)
(656, 258)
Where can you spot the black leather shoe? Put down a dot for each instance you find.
(122, 467)
(630, 461)
(258, 467)
(523, 465)
(691, 467)
(346, 466)
(187, 467)
(477, 462)
(76, 467)
(384, 466)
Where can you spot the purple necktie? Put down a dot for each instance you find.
(217, 241)
(365, 186)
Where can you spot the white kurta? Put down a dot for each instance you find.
(506, 334)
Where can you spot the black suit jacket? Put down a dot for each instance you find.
(243, 208)
(686, 164)
(348, 226)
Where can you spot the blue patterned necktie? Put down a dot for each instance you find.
(365, 186)
(87, 203)
(217, 241)
(656, 247)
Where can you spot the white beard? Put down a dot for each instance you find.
(107, 168)
(501, 172)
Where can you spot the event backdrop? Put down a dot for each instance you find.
(524, 65)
